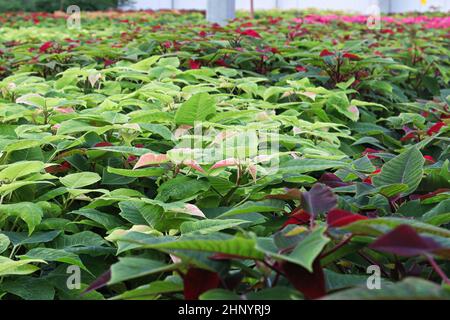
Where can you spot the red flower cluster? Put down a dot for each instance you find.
(60, 168)
(250, 33)
(194, 64)
(369, 179)
(435, 128)
(326, 53)
(45, 47)
(351, 56)
(335, 218)
(369, 153)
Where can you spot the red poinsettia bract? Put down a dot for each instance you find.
(197, 281)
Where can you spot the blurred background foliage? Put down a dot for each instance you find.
(54, 5)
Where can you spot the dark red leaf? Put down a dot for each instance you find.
(435, 128)
(224, 256)
(103, 144)
(319, 199)
(45, 46)
(197, 281)
(221, 62)
(369, 153)
(428, 195)
(408, 136)
(132, 159)
(332, 180)
(340, 218)
(63, 167)
(167, 44)
(251, 33)
(369, 179)
(299, 217)
(247, 25)
(272, 20)
(100, 282)
(325, 53)
(405, 241)
(194, 64)
(312, 285)
(108, 62)
(351, 56)
(387, 31)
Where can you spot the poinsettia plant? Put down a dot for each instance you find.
(280, 157)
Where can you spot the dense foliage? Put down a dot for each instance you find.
(101, 168)
(53, 5)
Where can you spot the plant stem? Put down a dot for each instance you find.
(438, 269)
(338, 246)
(362, 255)
(13, 251)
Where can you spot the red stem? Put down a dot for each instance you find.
(337, 247)
(438, 269)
